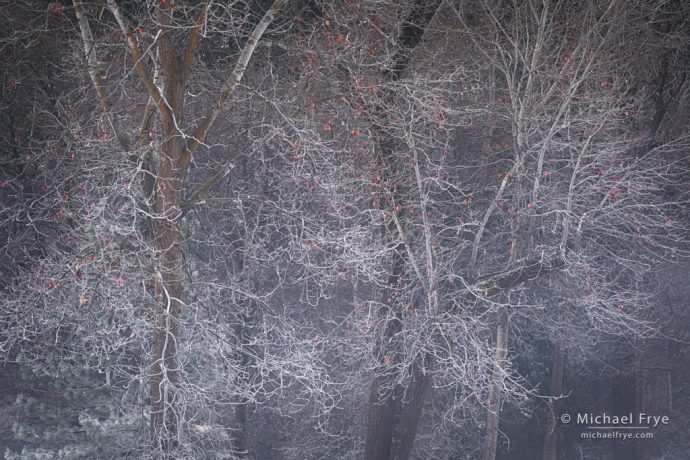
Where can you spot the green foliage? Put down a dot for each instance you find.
(72, 413)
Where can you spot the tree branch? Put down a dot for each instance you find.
(138, 56)
(205, 188)
(194, 39)
(527, 269)
(96, 79)
(233, 81)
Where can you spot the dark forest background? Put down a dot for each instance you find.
(311, 229)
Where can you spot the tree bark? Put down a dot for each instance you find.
(393, 413)
(557, 370)
(164, 369)
(411, 410)
(394, 418)
(494, 406)
(383, 409)
(384, 403)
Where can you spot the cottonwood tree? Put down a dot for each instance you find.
(161, 49)
(412, 194)
(577, 179)
(556, 108)
(453, 198)
(234, 343)
(409, 189)
(179, 142)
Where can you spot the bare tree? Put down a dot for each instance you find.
(179, 143)
(567, 110)
(332, 213)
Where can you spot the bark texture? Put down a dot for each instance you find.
(494, 406)
(394, 412)
(557, 369)
(168, 189)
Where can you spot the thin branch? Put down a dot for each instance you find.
(96, 79)
(197, 197)
(233, 81)
(194, 39)
(138, 56)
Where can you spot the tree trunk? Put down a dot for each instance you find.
(623, 402)
(557, 369)
(391, 418)
(384, 404)
(243, 336)
(492, 416)
(411, 410)
(383, 409)
(164, 370)
(394, 417)
(239, 432)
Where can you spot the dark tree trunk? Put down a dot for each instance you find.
(411, 410)
(494, 406)
(382, 414)
(164, 370)
(557, 369)
(384, 403)
(239, 432)
(243, 333)
(394, 417)
(394, 413)
(623, 402)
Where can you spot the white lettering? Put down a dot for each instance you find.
(653, 420)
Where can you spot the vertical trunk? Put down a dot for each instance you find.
(489, 136)
(411, 410)
(652, 387)
(623, 402)
(243, 332)
(492, 416)
(659, 98)
(167, 233)
(391, 418)
(164, 370)
(557, 369)
(239, 432)
(246, 318)
(384, 403)
(383, 411)
(394, 417)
